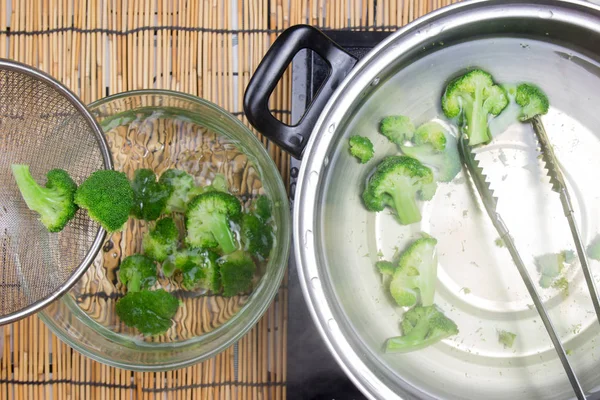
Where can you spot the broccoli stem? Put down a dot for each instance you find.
(222, 233)
(477, 128)
(135, 283)
(406, 207)
(31, 191)
(402, 344)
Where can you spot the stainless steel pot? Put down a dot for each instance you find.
(555, 44)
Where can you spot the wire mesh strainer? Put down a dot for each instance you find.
(44, 125)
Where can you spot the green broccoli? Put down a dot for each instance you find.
(181, 188)
(151, 312)
(55, 202)
(422, 326)
(161, 240)
(108, 198)
(550, 266)
(473, 97)
(361, 148)
(532, 100)
(506, 338)
(593, 249)
(219, 183)
(149, 197)
(396, 182)
(137, 272)
(562, 284)
(198, 267)
(416, 274)
(257, 236)
(237, 272)
(262, 207)
(386, 268)
(435, 147)
(398, 129)
(207, 221)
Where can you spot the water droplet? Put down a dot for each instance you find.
(546, 14)
(331, 128)
(332, 324)
(313, 178)
(308, 238)
(375, 81)
(326, 161)
(115, 255)
(316, 283)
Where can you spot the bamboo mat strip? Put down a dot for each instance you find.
(207, 48)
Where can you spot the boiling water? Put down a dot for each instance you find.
(478, 287)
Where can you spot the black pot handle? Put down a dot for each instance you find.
(293, 139)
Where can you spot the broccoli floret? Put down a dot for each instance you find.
(506, 338)
(569, 256)
(207, 221)
(396, 182)
(473, 97)
(398, 129)
(198, 267)
(262, 207)
(593, 249)
(435, 147)
(55, 202)
(237, 271)
(562, 284)
(550, 266)
(422, 326)
(180, 184)
(361, 148)
(149, 197)
(137, 272)
(532, 100)
(161, 240)
(219, 183)
(386, 268)
(108, 198)
(151, 312)
(257, 236)
(416, 274)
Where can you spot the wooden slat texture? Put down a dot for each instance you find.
(207, 48)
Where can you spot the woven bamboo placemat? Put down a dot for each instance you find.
(208, 48)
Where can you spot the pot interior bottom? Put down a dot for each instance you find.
(478, 285)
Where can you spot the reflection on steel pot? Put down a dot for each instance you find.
(553, 44)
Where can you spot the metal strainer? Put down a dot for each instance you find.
(44, 125)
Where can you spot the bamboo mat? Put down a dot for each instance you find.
(207, 48)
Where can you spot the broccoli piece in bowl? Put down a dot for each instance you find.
(237, 272)
(208, 220)
(533, 101)
(108, 198)
(435, 147)
(149, 197)
(473, 98)
(361, 148)
(161, 240)
(181, 187)
(506, 338)
(198, 267)
(55, 203)
(137, 272)
(396, 182)
(416, 274)
(422, 326)
(151, 312)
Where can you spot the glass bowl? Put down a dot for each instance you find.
(159, 130)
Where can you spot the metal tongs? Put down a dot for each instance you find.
(490, 203)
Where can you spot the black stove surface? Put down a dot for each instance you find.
(312, 372)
